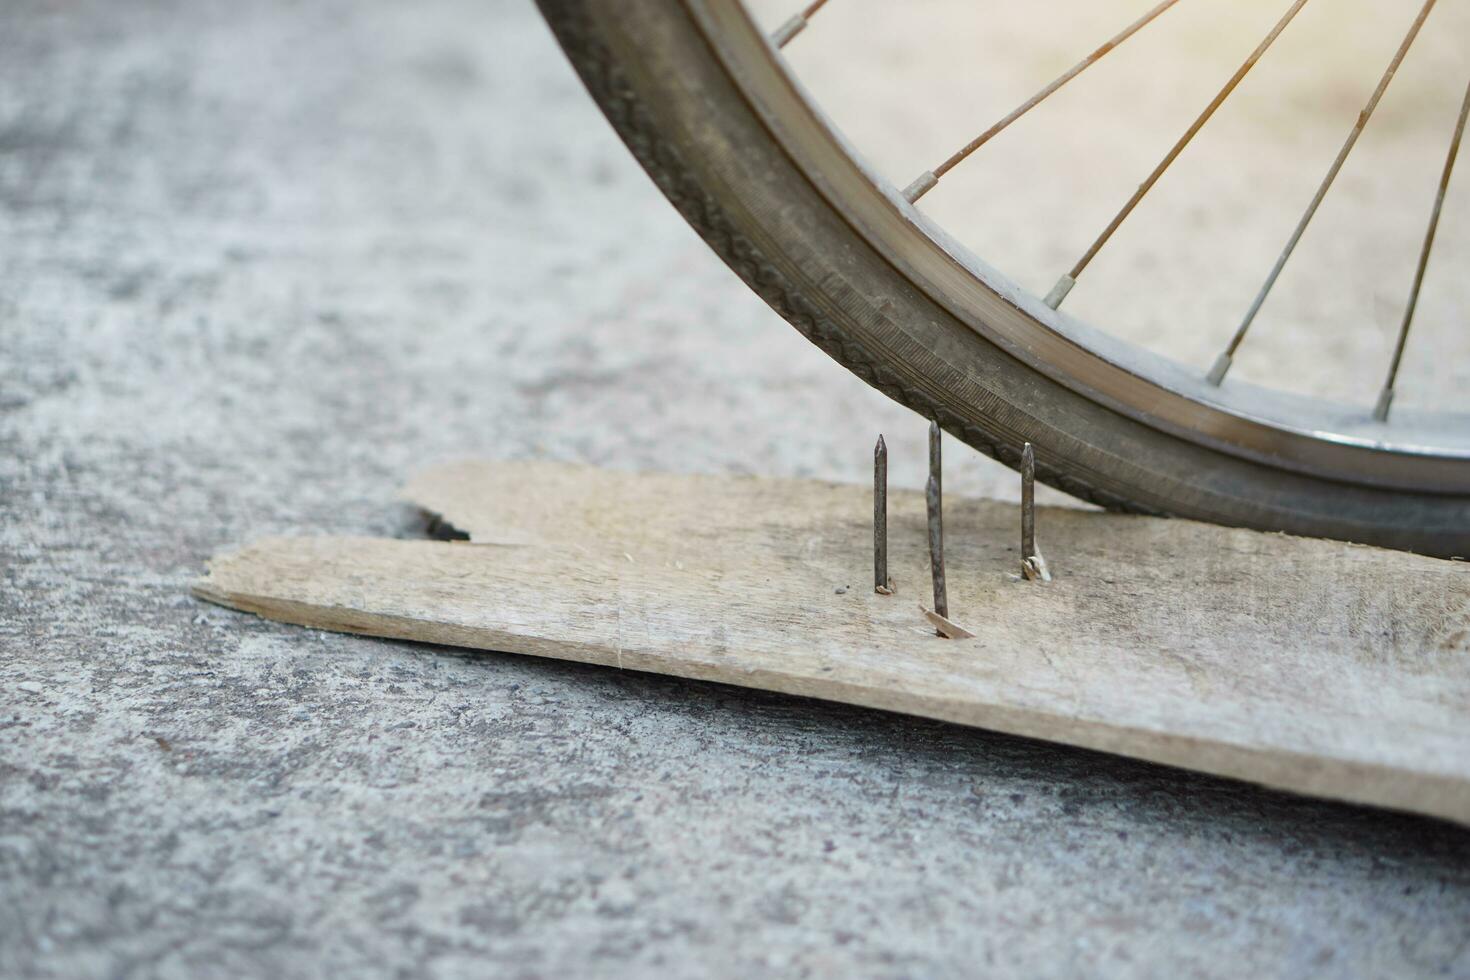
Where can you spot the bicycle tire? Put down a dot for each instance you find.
(685, 117)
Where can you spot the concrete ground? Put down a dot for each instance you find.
(260, 261)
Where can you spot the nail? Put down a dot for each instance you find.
(936, 546)
(935, 469)
(1033, 566)
(934, 497)
(1028, 502)
(880, 518)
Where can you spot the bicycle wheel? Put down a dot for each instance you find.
(704, 101)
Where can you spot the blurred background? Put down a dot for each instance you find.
(261, 261)
(909, 83)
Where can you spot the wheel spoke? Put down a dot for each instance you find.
(1223, 362)
(926, 181)
(1385, 397)
(796, 23)
(1065, 284)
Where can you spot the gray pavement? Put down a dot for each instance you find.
(260, 261)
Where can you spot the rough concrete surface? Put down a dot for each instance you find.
(260, 261)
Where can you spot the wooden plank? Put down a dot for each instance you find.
(1323, 668)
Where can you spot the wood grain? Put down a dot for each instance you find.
(1318, 667)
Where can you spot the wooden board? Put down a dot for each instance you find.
(1323, 668)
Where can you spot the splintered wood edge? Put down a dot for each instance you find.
(951, 631)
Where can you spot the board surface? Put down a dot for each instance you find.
(1323, 668)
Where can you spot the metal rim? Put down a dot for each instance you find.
(1427, 452)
